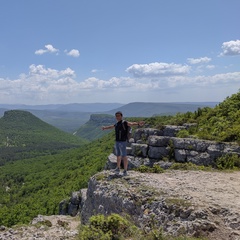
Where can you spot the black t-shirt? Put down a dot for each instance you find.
(121, 131)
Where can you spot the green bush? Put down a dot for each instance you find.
(183, 133)
(228, 161)
(188, 166)
(115, 227)
(110, 227)
(154, 169)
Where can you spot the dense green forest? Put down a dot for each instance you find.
(36, 186)
(22, 135)
(37, 182)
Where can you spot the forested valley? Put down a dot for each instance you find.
(40, 165)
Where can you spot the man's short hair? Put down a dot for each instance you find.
(118, 113)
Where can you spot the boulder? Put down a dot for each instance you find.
(111, 162)
(136, 162)
(142, 134)
(158, 152)
(164, 165)
(74, 203)
(180, 155)
(191, 144)
(63, 207)
(158, 141)
(171, 130)
(140, 150)
(201, 159)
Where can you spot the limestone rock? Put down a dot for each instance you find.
(74, 203)
(180, 202)
(171, 130)
(158, 141)
(158, 152)
(143, 133)
(139, 150)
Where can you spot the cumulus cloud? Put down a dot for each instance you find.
(48, 49)
(231, 48)
(158, 69)
(73, 53)
(47, 85)
(199, 60)
(40, 70)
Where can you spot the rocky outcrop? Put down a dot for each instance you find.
(152, 145)
(102, 119)
(72, 205)
(173, 200)
(54, 227)
(191, 203)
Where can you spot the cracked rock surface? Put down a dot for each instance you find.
(56, 227)
(195, 203)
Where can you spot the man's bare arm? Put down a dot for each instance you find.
(140, 123)
(107, 127)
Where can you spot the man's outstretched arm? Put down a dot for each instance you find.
(107, 127)
(140, 123)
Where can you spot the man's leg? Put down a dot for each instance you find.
(119, 159)
(125, 163)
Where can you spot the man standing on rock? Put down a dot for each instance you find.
(121, 132)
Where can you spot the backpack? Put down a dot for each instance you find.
(129, 130)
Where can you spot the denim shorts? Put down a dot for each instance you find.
(121, 148)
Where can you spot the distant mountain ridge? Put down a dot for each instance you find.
(71, 107)
(149, 109)
(70, 117)
(67, 117)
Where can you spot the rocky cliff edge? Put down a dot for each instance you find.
(194, 203)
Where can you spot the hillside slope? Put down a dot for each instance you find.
(24, 135)
(92, 130)
(221, 123)
(36, 185)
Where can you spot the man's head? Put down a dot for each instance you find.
(118, 116)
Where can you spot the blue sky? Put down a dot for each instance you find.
(59, 51)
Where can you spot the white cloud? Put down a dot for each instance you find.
(40, 71)
(48, 49)
(231, 48)
(96, 70)
(95, 83)
(199, 60)
(158, 69)
(46, 85)
(202, 68)
(73, 53)
(210, 66)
